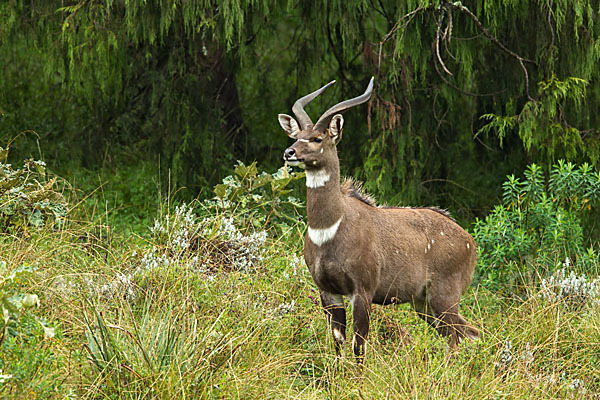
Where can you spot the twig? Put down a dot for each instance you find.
(438, 34)
(550, 22)
(453, 86)
(447, 37)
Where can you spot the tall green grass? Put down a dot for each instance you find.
(201, 325)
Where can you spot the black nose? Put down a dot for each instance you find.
(289, 152)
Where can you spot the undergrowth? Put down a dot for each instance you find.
(207, 303)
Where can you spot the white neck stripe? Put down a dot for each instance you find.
(317, 179)
(324, 235)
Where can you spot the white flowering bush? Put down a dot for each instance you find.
(508, 355)
(121, 286)
(297, 268)
(571, 289)
(206, 245)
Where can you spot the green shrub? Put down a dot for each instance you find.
(28, 197)
(258, 200)
(538, 226)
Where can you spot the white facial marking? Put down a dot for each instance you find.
(315, 162)
(304, 140)
(317, 179)
(338, 336)
(322, 150)
(294, 163)
(323, 235)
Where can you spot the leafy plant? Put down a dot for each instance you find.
(12, 301)
(147, 348)
(259, 200)
(542, 124)
(23, 353)
(28, 197)
(538, 225)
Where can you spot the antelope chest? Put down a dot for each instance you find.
(332, 262)
(330, 273)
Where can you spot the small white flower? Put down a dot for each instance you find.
(527, 357)
(4, 377)
(576, 384)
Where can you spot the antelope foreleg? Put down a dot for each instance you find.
(333, 305)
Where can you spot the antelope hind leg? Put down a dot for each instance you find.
(361, 312)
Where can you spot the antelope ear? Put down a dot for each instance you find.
(289, 125)
(335, 128)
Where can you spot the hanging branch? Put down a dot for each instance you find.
(453, 86)
(521, 60)
(446, 36)
(396, 26)
(438, 35)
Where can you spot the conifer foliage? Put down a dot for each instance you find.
(466, 92)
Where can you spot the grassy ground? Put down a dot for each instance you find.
(210, 312)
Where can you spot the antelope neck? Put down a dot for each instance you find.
(324, 205)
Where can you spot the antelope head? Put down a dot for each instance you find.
(314, 148)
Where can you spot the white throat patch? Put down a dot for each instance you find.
(317, 179)
(323, 235)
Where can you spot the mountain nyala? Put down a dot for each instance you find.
(373, 254)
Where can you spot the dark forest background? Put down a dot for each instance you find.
(151, 238)
(169, 94)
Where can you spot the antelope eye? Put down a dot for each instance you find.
(317, 140)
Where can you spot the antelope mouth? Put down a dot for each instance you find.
(294, 162)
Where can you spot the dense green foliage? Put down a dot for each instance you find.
(540, 226)
(465, 92)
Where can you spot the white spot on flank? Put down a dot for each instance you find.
(442, 233)
(432, 241)
(468, 246)
(317, 179)
(323, 235)
(428, 246)
(338, 336)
